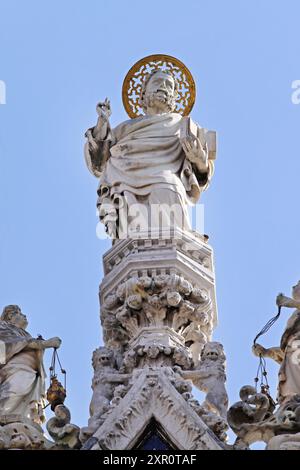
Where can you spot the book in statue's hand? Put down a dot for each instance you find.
(190, 129)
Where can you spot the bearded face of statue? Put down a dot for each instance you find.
(160, 94)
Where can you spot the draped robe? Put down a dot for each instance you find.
(22, 373)
(144, 155)
(289, 373)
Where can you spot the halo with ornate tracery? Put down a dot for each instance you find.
(132, 85)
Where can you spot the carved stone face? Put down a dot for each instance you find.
(173, 298)
(13, 315)
(20, 320)
(296, 291)
(153, 351)
(134, 301)
(180, 357)
(102, 357)
(111, 301)
(160, 92)
(213, 351)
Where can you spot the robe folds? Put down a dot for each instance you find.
(144, 154)
(22, 375)
(289, 373)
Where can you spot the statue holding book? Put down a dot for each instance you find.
(152, 166)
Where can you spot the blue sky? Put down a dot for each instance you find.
(58, 59)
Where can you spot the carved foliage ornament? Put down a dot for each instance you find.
(161, 300)
(140, 71)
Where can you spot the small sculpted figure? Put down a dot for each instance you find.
(22, 387)
(288, 353)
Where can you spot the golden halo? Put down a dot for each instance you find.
(132, 85)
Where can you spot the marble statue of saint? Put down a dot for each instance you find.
(22, 387)
(148, 162)
(288, 353)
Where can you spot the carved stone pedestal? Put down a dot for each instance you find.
(158, 312)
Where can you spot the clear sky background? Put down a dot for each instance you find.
(58, 59)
